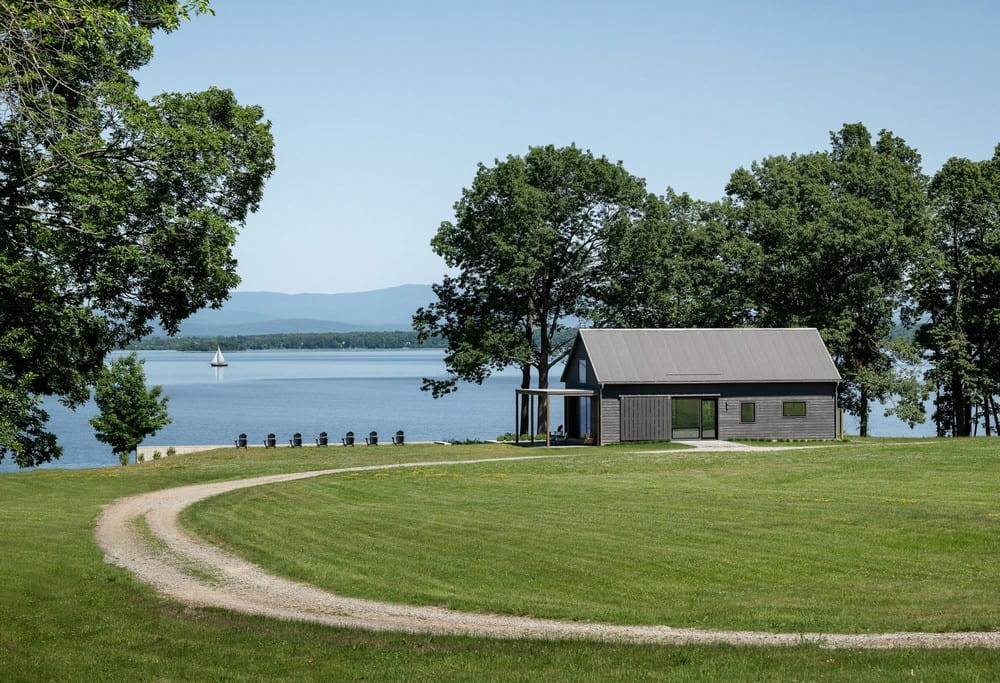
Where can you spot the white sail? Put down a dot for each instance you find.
(219, 359)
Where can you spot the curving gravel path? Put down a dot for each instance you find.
(200, 575)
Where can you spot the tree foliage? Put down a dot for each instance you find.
(955, 288)
(114, 211)
(681, 265)
(834, 233)
(526, 242)
(129, 411)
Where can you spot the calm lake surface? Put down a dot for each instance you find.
(312, 391)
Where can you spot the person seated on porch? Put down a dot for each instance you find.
(559, 434)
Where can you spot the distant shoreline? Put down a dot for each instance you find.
(290, 341)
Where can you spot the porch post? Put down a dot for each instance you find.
(548, 420)
(531, 416)
(517, 420)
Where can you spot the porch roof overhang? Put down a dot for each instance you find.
(557, 392)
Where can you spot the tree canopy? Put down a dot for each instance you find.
(954, 286)
(114, 211)
(681, 265)
(527, 239)
(834, 233)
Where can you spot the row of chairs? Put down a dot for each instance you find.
(323, 440)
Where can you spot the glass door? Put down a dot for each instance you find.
(694, 418)
(685, 418)
(708, 418)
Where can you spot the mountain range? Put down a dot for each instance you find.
(273, 313)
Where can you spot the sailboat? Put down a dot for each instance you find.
(219, 361)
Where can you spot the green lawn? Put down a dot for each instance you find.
(65, 615)
(841, 539)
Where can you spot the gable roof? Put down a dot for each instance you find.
(707, 355)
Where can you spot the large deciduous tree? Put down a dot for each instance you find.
(836, 231)
(956, 292)
(527, 239)
(115, 211)
(681, 265)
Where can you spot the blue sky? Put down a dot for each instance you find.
(382, 109)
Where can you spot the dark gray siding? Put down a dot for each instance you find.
(573, 370)
(818, 423)
(645, 418)
(610, 418)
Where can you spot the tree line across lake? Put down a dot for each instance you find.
(317, 340)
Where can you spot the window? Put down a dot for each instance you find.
(793, 408)
(581, 368)
(584, 415)
(748, 412)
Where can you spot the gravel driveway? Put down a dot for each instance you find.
(200, 575)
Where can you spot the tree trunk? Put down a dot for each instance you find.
(548, 321)
(938, 415)
(525, 399)
(984, 391)
(996, 415)
(545, 348)
(960, 409)
(863, 413)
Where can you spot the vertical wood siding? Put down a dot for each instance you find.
(645, 418)
(610, 429)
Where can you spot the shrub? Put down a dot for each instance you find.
(171, 451)
(157, 455)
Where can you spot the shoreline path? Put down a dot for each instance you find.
(199, 575)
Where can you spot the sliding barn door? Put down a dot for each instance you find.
(645, 418)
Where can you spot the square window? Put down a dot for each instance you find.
(793, 408)
(748, 412)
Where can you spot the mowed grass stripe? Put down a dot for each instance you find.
(849, 539)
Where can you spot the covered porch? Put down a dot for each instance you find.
(577, 411)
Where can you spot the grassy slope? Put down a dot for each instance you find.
(65, 615)
(761, 541)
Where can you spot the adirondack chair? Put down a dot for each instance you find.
(241, 441)
(296, 440)
(348, 439)
(322, 439)
(371, 439)
(397, 438)
(270, 441)
(559, 436)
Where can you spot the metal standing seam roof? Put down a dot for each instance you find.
(657, 356)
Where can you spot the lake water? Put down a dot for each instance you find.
(299, 391)
(312, 391)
